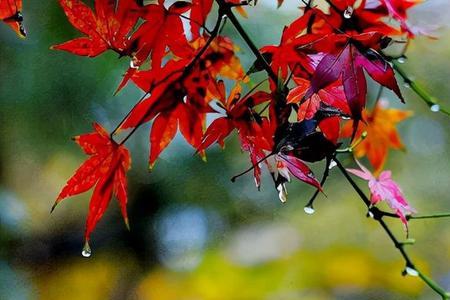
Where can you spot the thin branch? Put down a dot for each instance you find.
(126, 116)
(378, 216)
(334, 7)
(233, 179)
(411, 217)
(430, 100)
(193, 21)
(326, 172)
(227, 10)
(433, 216)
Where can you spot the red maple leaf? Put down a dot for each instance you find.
(11, 14)
(240, 115)
(108, 28)
(347, 60)
(161, 30)
(286, 55)
(332, 95)
(353, 17)
(181, 92)
(199, 12)
(254, 131)
(396, 9)
(178, 100)
(105, 169)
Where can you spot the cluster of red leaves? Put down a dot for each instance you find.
(321, 63)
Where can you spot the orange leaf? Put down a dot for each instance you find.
(382, 134)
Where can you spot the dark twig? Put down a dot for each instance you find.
(229, 13)
(326, 172)
(378, 216)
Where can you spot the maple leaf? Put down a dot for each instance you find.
(297, 143)
(380, 125)
(383, 188)
(240, 115)
(105, 169)
(396, 9)
(219, 59)
(304, 140)
(284, 151)
(347, 62)
(178, 100)
(180, 97)
(11, 14)
(253, 130)
(199, 12)
(353, 17)
(162, 30)
(286, 55)
(282, 165)
(332, 95)
(108, 28)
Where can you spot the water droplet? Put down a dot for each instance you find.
(401, 59)
(134, 63)
(282, 192)
(370, 214)
(348, 12)
(345, 117)
(435, 108)
(332, 165)
(309, 210)
(86, 252)
(411, 271)
(406, 85)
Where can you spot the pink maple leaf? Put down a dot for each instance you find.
(384, 188)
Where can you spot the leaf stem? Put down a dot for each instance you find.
(325, 175)
(378, 216)
(419, 90)
(432, 216)
(229, 13)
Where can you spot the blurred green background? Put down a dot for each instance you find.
(194, 234)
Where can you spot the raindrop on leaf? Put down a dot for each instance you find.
(348, 12)
(86, 252)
